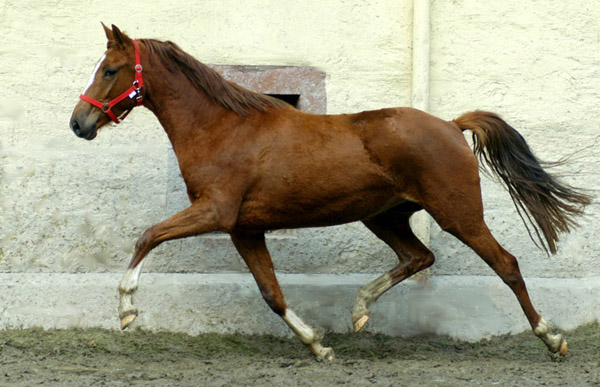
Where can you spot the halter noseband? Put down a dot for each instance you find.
(134, 92)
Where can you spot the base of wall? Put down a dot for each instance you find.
(465, 307)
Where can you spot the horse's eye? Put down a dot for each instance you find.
(109, 72)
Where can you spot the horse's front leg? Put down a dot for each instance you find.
(254, 251)
(197, 219)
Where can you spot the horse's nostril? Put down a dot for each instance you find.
(75, 127)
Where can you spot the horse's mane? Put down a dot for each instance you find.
(207, 80)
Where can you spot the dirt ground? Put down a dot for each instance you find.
(111, 358)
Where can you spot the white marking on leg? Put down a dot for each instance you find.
(553, 342)
(93, 76)
(129, 283)
(307, 335)
(371, 291)
(304, 332)
(542, 328)
(131, 279)
(366, 296)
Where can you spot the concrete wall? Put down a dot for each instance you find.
(90, 201)
(538, 65)
(70, 210)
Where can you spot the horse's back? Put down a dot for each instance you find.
(318, 170)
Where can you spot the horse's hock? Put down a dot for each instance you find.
(71, 211)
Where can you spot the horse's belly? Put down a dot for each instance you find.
(311, 208)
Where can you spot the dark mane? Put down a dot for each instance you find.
(207, 80)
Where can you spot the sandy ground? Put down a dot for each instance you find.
(111, 358)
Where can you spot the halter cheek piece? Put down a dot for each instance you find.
(134, 92)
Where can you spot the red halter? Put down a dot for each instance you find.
(134, 92)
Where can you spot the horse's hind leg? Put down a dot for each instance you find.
(394, 229)
(254, 251)
(464, 219)
(506, 266)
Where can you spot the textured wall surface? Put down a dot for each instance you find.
(537, 64)
(71, 206)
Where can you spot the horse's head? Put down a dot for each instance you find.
(114, 88)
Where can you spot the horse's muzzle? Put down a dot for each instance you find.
(83, 128)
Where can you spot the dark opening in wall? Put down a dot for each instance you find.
(292, 99)
(303, 87)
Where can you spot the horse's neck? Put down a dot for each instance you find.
(180, 108)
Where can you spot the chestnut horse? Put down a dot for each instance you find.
(252, 163)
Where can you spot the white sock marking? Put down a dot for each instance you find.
(552, 341)
(131, 279)
(371, 291)
(542, 328)
(306, 333)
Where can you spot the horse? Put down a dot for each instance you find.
(252, 163)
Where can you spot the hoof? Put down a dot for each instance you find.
(329, 355)
(563, 348)
(360, 323)
(322, 353)
(127, 320)
(325, 354)
(555, 343)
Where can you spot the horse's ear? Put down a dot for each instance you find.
(108, 32)
(115, 36)
(119, 37)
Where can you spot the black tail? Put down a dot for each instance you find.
(535, 193)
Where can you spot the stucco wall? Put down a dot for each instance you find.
(538, 65)
(71, 206)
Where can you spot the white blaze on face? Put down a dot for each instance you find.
(93, 76)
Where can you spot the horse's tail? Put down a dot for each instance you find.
(535, 193)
